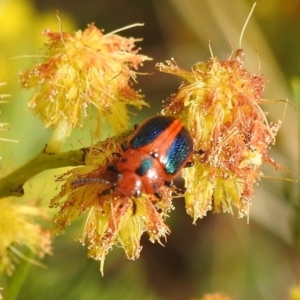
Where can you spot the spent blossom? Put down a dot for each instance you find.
(220, 103)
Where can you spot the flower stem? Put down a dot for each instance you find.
(12, 184)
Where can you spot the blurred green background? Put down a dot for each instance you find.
(259, 260)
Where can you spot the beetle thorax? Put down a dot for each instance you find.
(129, 183)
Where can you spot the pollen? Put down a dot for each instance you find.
(220, 102)
(82, 71)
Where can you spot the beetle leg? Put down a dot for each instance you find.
(107, 191)
(123, 146)
(134, 208)
(169, 183)
(158, 195)
(112, 168)
(177, 190)
(137, 193)
(189, 164)
(199, 151)
(116, 154)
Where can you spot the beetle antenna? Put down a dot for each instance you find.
(84, 180)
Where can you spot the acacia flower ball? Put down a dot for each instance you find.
(18, 229)
(111, 219)
(82, 70)
(220, 103)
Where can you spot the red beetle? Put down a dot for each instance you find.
(154, 155)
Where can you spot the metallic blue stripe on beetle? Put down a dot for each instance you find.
(157, 134)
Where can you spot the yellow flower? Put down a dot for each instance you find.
(84, 69)
(215, 296)
(219, 102)
(295, 293)
(18, 228)
(112, 219)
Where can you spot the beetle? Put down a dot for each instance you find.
(155, 154)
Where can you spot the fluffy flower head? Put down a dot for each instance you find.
(17, 229)
(82, 70)
(111, 219)
(219, 101)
